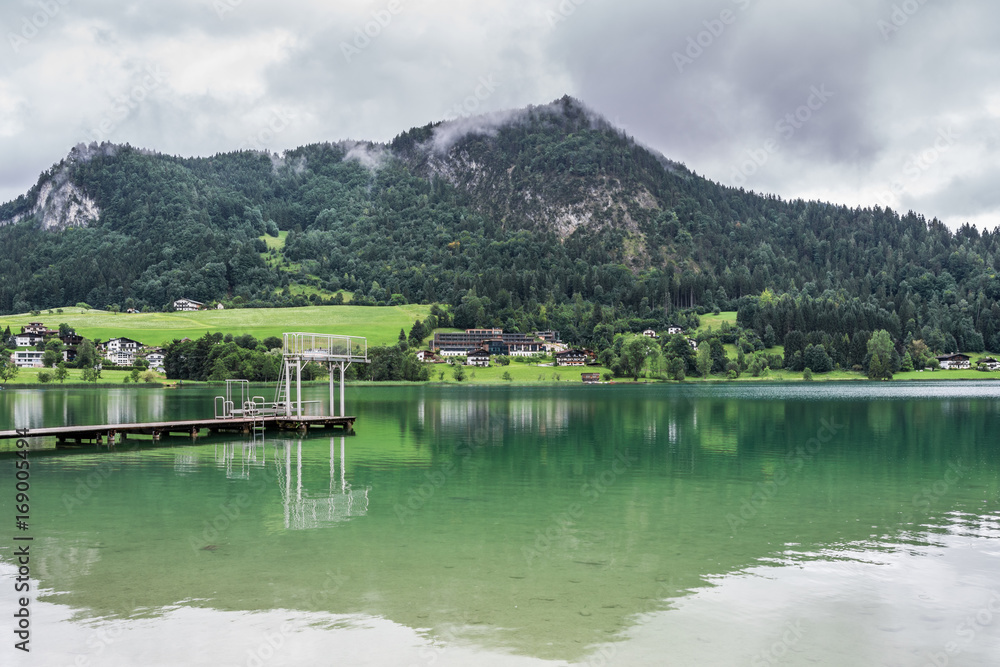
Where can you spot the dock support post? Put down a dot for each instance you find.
(333, 406)
(298, 387)
(288, 388)
(342, 408)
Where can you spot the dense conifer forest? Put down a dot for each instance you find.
(548, 217)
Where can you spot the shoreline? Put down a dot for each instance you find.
(938, 376)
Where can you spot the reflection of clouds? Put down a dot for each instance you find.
(305, 509)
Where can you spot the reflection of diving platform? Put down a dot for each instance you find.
(68, 435)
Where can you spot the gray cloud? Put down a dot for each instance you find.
(728, 87)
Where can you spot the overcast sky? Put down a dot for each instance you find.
(853, 101)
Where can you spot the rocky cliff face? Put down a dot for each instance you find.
(58, 202)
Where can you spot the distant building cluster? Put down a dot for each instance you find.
(119, 351)
(189, 305)
(478, 346)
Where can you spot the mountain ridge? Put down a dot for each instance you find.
(521, 219)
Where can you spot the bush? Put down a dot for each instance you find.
(807, 375)
(44, 377)
(84, 305)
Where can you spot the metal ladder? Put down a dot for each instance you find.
(279, 394)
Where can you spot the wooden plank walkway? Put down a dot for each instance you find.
(103, 432)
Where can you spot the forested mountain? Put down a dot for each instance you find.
(524, 220)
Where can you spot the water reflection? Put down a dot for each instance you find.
(310, 509)
(525, 533)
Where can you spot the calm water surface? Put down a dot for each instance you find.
(663, 525)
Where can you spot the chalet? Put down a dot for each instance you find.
(155, 360)
(71, 339)
(649, 333)
(28, 339)
(479, 358)
(27, 359)
(954, 362)
(571, 358)
(693, 343)
(591, 378)
(188, 305)
(37, 328)
(69, 354)
(675, 331)
(988, 364)
(122, 345)
(428, 357)
(121, 357)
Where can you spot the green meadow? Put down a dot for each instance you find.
(379, 324)
(29, 376)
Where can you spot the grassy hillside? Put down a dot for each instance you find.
(715, 321)
(379, 324)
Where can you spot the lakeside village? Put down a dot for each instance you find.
(38, 346)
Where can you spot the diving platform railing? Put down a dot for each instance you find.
(299, 349)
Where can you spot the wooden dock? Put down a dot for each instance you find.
(67, 436)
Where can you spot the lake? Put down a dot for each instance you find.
(731, 524)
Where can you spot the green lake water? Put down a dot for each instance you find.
(774, 524)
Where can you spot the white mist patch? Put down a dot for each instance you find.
(371, 156)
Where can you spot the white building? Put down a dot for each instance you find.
(27, 359)
(479, 358)
(989, 363)
(188, 305)
(673, 331)
(954, 362)
(116, 345)
(121, 358)
(649, 333)
(156, 360)
(28, 339)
